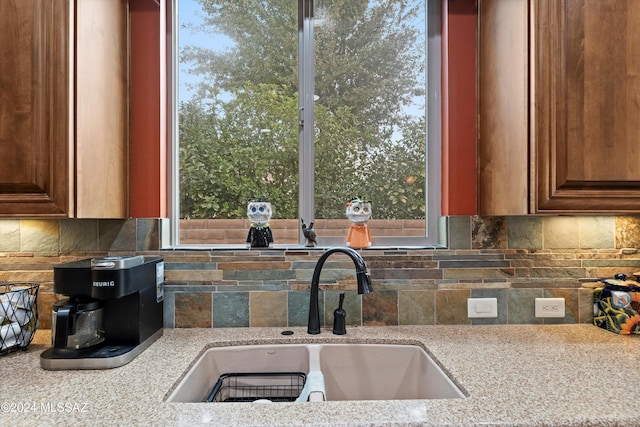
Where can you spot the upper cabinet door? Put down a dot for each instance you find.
(64, 108)
(586, 105)
(503, 125)
(34, 109)
(101, 100)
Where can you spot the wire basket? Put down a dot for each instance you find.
(18, 315)
(249, 387)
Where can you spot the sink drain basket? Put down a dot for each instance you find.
(248, 387)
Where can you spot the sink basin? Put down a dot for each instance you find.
(214, 362)
(383, 372)
(350, 371)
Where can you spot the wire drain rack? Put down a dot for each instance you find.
(248, 387)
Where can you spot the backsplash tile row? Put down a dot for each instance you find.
(541, 232)
(70, 236)
(512, 259)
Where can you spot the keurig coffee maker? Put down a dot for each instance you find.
(113, 311)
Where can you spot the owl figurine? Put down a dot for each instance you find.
(259, 214)
(359, 212)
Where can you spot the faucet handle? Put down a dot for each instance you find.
(339, 318)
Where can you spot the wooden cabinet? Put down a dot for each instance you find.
(582, 104)
(586, 112)
(63, 108)
(502, 107)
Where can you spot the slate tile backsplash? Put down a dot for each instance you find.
(512, 259)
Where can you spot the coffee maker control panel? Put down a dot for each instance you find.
(116, 262)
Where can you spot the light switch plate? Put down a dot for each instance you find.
(549, 307)
(482, 307)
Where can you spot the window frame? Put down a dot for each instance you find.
(433, 164)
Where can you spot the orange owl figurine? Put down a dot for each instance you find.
(359, 212)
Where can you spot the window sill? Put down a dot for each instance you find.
(294, 248)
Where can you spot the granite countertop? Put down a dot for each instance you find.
(551, 375)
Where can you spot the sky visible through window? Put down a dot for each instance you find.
(190, 19)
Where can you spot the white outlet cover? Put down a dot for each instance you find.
(482, 307)
(549, 307)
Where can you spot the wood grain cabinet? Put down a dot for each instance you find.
(559, 127)
(63, 108)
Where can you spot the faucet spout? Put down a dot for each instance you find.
(362, 276)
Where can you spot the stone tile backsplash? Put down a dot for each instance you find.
(512, 259)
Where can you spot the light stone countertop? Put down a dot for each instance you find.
(551, 375)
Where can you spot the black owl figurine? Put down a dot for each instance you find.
(260, 235)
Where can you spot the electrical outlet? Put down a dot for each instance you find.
(482, 307)
(549, 307)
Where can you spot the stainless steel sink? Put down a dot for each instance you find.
(346, 371)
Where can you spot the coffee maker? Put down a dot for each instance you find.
(113, 311)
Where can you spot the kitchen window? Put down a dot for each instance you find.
(306, 105)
